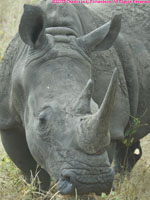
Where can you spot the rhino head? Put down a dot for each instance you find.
(64, 136)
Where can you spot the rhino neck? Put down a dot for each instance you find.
(62, 15)
(61, 31)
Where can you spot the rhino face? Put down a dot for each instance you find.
(53, 141)
(63, 135)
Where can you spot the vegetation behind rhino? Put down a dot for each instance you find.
(51, 73)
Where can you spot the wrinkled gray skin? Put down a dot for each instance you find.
(50, 74)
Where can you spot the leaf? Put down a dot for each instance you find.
(103, 195)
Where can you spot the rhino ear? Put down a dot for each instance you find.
(32, 26)
(103, 37)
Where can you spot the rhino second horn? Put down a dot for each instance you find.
(82, 105)
(93, 135)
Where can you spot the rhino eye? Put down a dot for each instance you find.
(44, 127)
(42, 121)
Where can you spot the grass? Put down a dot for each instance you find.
(135, 186)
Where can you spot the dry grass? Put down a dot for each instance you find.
(10, 13)
(12, 184)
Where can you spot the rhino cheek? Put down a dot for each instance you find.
(45, 156)
(36, 147)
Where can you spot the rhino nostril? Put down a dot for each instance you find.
(67, 178)
(65, 185)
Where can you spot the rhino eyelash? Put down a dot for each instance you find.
(42, 109)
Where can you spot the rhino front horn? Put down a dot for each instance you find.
(93, 133)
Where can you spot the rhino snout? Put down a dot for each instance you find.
(72, 182)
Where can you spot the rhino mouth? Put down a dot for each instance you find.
(74, 181)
